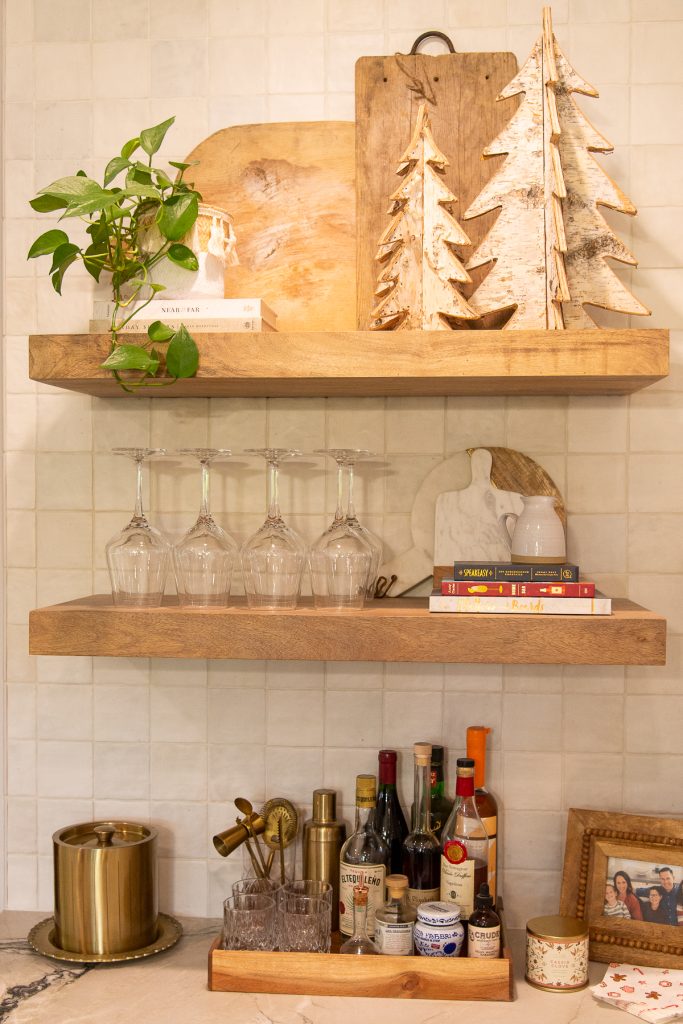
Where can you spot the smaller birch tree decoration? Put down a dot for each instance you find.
(417, 287)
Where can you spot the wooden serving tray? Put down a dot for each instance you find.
(387, 977)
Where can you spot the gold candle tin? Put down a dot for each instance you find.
(557, 953)
(105, 887)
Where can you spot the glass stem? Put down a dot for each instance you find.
(273, 501)
(350, 510)
(204, 509)
(339, 514)
(138, 514)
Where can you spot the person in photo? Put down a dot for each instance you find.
(667, 890)
(653, 911)
(613, 906)
(624, 887)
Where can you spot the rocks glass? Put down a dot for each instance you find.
(273, 559)
(138, 557)
(304, 924)
(250, 922)
(204, 559)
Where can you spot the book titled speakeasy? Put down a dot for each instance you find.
(465, 588)
(516, 572)
(480, 603)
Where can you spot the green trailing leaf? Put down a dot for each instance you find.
(179, 165)
(152, 138)
(143, 190)
(58, 274)
(159, 331)
(131, 357)
(91, 205)
(162, 179)
(182, 357)
(47, 243)
(114, 168)
(93, 259)
(72, 188)
(46, 204)
(129, 148)
(177, 215)
(182, 256)
(63, 253)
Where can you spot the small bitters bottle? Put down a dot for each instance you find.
(483, 927)
(360, 942)
(395, 921)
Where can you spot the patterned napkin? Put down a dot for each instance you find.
(654, 994)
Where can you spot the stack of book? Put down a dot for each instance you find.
(199, 315)
(512, 588)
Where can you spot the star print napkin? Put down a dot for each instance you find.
(654, 994)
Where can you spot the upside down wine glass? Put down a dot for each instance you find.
(376, 546)
(138, 557)
(273, 559)
(341, 558)
(204, 559)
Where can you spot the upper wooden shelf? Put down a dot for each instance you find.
(394, 629)
(341, 363)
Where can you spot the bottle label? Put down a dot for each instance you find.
(483, 943)
(490, 823)
(457, 881)
(414, 897)
(371, 875)
(394, 938)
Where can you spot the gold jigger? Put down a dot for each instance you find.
(229, 840)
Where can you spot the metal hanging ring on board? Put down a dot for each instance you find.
(436, 35)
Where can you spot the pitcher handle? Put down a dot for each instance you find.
(505, 520)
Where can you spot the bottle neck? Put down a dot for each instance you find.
(387, 773)
(437, 782)
(464, 786)
(360, 920)
(364, 818)
(423, 797)
(476, 749)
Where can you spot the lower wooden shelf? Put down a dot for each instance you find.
(330, 974)
(393, 629)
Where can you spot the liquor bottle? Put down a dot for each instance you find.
(395, 921)
(464, 844)
(363, 859)
(486, 802)
(441, 804)
(388, 818)
(360, 942)
(421, 850)
(483, 927)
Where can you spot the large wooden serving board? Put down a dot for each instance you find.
(460, 90)
(290, 188)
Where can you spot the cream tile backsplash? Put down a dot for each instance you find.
(174, 741)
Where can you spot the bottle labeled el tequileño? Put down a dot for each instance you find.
(464, 844)
(485, 801)
(363, 859)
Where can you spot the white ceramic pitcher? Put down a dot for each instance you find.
(538, 534)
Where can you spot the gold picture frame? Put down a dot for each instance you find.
(600, 843)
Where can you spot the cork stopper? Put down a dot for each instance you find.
(396, 885)
(360, 895)
(366, 791)
(423, 753)
(465, 767)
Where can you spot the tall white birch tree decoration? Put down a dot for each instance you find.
(550, 242)
(418, 284)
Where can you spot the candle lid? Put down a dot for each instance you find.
(438, 913)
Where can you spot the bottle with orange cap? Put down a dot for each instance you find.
(485, 801)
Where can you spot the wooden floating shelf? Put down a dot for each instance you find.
(365, 363)
(393, 629)
(330, 974)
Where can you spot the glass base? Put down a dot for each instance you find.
(203, 600)
(272, 600)
(128, 600)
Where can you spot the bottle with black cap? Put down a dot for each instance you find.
(483, 927)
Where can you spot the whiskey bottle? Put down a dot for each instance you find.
(421, 851)
(360, 943)
(395, 921)
(389, 820)
(363, 859)
(464, 844)
(486, 802)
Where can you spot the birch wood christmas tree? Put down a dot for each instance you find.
(421, 273)
(550, 242)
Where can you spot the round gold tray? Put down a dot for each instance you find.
(41, 938)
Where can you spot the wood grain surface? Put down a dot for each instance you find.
(380, 363)
(398, 630)
(460, 90)
(290, 189)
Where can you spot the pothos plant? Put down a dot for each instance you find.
(122, 244)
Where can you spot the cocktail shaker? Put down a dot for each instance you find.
(323, 837)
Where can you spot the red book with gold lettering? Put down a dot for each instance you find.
(467, 588)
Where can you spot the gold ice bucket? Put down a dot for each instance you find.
(105, 887)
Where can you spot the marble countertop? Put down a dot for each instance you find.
(172, 987)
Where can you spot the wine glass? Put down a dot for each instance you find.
(204, 559)
(341, 558)
(273, 559)
(138, 556)
(372, 539)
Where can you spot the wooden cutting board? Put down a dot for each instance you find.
(511, 471)
(290, 189)
(460, 90)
